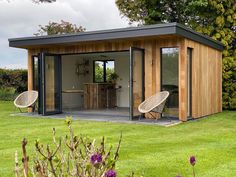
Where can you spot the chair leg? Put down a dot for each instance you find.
(141, 116)
(36, 108)
(20, 110)
(33, 108)
(153, 115)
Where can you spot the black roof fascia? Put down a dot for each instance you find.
(122, 33)
(195, 36)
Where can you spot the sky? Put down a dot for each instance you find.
(21, 18)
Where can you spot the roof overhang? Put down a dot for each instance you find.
(116, 34)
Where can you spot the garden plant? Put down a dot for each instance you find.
(74, 156)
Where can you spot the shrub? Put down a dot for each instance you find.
(16, 79)
(72, 156)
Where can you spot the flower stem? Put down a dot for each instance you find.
(193, 172)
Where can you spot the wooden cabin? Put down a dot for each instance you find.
(119, 68)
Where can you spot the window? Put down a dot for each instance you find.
(35, 73)
(36, 77)
(189, 80)
(103, 70)
(170, 79)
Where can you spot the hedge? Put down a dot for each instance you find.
(12, 82)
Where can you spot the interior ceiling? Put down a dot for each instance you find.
(102, 55)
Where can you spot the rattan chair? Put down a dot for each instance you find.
(26, 99)
(155, 103)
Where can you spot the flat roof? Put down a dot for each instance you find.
(114, 34)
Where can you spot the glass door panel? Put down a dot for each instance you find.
(137, 80)
(170, 80)
(51, 84)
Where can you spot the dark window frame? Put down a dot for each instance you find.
(33, 72)
(190, 60)
(161, 64)
(37, 81)
(161, 81)
(57, 86)
(104, 70)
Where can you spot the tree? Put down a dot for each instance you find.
(215, 18)
(59, 28)
(156, 11)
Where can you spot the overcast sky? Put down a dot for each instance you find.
(20, 18)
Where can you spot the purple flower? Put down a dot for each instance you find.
(95, 158)
(110, 173)
(178, 176)
(192, 160)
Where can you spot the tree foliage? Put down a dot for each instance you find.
(99, 73)
(13, 79)
(216, 18)
(158, 11)
(12, 82)
(59, 28)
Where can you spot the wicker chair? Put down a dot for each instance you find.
(155, 103)
(26, 99)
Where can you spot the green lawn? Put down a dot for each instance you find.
(153, 150)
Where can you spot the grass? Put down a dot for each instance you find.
(153, 150)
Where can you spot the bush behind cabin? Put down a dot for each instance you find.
(12, 82)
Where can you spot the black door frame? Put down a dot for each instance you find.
(131, 83)
(43, 81)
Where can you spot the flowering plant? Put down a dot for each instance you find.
(192, 161)
(72, 156)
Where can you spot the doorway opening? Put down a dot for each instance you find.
(94, 82)
(104, 82)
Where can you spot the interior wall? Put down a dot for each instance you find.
(72, 81)
(122, 69)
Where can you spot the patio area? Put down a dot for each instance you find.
(120, 115)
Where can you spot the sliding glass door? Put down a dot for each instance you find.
(136, 80)
(50, 92)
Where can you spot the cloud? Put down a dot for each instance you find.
(20, 18)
